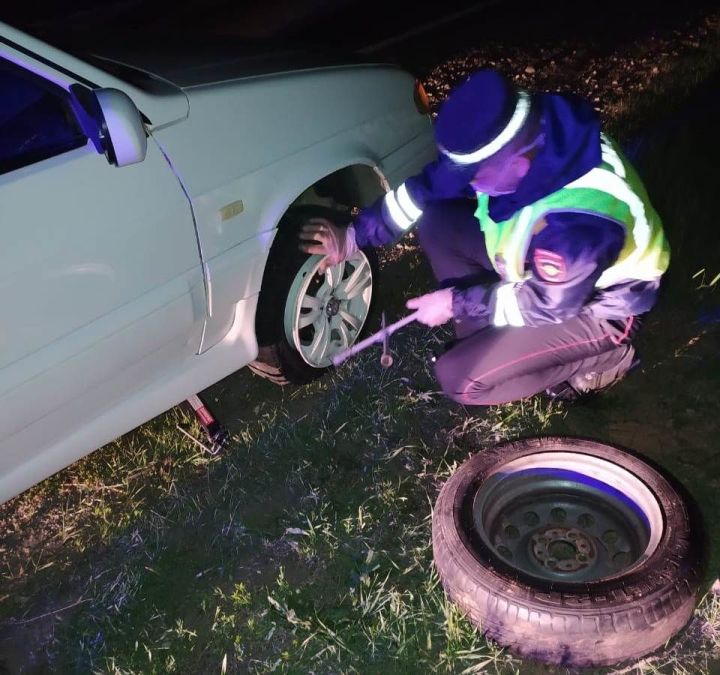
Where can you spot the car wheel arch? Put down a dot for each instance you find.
(351, 186)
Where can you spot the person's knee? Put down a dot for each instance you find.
(456, 385)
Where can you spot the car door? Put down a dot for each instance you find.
(101, 284)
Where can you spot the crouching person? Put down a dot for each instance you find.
(542, 238)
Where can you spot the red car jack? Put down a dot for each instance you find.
(217, 434)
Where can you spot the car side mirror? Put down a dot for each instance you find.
(122, 135)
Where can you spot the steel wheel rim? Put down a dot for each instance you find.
(567, 517)
(325, 313)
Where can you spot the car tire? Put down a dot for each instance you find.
(494, 526)
(290, 274)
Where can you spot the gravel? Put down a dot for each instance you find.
(605, 74)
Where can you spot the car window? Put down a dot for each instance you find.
(36, 119)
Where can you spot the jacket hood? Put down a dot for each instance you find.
(571, 148)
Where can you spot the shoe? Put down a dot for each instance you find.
(585, 383)
(563, 392)
(594, 381)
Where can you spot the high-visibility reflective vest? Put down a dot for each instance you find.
(612, 190)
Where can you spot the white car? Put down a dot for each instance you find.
(149, 212)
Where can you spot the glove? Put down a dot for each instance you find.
(335, 243)
(434, 309)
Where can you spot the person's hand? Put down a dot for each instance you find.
(434, 309)
(335, 243)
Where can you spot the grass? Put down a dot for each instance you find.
(334, 570)
(305, 548)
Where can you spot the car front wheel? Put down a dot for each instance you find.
(304, 318)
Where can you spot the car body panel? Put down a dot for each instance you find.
(25, 467)
(193, 64)
(129, 289)
(99, 270)
(225, 155)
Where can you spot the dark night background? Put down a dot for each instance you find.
(124, 546)
(411, 33)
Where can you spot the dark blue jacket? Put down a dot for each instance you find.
(587, 243)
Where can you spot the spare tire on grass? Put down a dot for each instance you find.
(567, 550)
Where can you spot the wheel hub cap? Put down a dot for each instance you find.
(324, 313)
(332, 307)
(567, 517)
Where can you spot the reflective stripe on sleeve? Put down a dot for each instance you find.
(407, 204)
(507, 310)
(401, 216)
(396, 213)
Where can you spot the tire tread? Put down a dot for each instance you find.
(601, 624)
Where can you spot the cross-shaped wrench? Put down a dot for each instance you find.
(386, 359)
(382, 335)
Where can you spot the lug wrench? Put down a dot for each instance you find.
(383, 335)
(386, 359)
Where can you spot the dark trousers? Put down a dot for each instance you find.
(489, 365)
